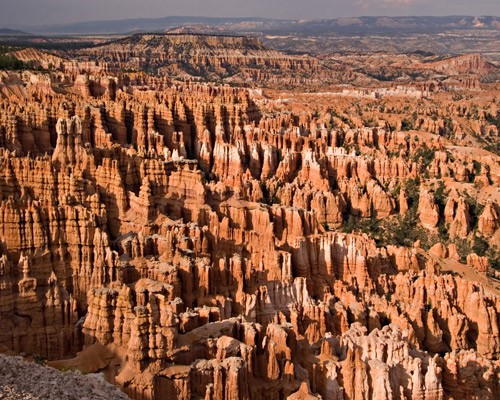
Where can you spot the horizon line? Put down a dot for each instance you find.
(12, 26)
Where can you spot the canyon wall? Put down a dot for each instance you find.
(200, 239)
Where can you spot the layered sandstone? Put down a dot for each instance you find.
(188, 239)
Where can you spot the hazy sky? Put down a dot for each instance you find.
(39, 12)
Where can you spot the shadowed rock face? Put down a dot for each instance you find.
(199, 241)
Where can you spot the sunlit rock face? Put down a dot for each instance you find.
(196, 241)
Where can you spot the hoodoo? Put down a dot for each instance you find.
(200, 216)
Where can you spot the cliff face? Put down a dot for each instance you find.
(195, 236)
(465, 64)
(211, 57)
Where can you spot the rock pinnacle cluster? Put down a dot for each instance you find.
(191, 239)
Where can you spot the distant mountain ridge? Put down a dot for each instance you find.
(13, 32)
(130, 25)
(345, 26)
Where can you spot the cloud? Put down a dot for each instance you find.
(400, 2)
(36, 12)
(365, 4)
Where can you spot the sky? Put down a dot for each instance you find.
(41, 12)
